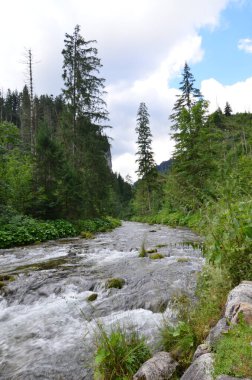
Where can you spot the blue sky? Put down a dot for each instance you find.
(143, 45)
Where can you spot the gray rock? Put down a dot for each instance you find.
(216, 332)
(200, 369)
(225, 377)
(241, 293)
(160, 367)
(202, 349)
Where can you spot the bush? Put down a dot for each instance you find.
(119, 354)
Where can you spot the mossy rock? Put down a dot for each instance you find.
(161, 245)
(92, 297)
(6, 277)
(153, 250)
(47, 265)
(183, 260)
(115, 283)
(156, 256)
(87, 235)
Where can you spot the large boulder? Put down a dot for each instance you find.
(160, 367)
(200, 369)
(215, 333)
(240, 295)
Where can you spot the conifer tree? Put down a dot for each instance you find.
(188, 97)
(145, 160)
(227, 109)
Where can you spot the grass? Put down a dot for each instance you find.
(115, 283)
(142, 252)
(233, 352)
(119, 354)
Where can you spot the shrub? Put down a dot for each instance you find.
(119, 354)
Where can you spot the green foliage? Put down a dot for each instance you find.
(119, 354)
(233, 352)
(87, 235)
(115, 283)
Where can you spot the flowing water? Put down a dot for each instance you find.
(47, 325)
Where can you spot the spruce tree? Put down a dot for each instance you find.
(188, 97)
(145, 160)
(227, 109)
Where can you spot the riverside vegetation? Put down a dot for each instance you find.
(208, 189)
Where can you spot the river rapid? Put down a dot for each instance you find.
(47, 325)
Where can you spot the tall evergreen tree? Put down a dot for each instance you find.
(227, 109)
(188, 97)
(145, 160)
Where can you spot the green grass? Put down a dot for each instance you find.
(119, 354)
(142, 251)
(233, 352)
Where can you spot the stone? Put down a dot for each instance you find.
(202, 349)
(200, 369)
(216, 332)
(243, 308)
(160, 367)
(240, 294)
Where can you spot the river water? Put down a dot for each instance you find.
(47, 325)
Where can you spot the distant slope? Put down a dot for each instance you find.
(164, 166)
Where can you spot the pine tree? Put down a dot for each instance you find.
(145, 160)
(83, 88)
(227, 109)
(188, 97)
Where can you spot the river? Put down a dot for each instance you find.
(47, 325)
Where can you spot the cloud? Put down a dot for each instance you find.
(245, 44)
(238, 95)
(143, 45)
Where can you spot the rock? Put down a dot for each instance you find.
(240, 294)
(200, 369)
(225, 377)
(243, 308)
(216, 332)
(202, 349)
(160, 367)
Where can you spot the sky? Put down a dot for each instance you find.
(143, 45)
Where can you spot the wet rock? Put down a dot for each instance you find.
(160, 367)
(200, 369)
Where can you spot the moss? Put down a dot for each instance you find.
(47, 265)
(87, 235)
(156, 256)
(6, 277)
(92, 297)
(115, 283)
(161, 245)
(183, 260)
(153, 250)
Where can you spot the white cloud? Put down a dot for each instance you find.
(142, 43)
(245, 44)
(238, 95)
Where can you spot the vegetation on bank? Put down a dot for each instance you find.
(21, 230)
